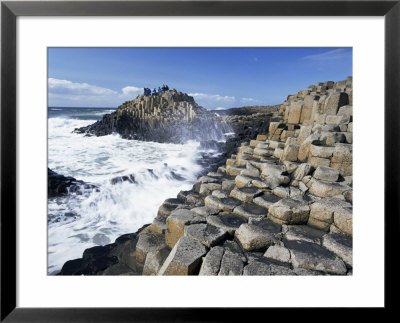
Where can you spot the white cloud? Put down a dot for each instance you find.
(213, 97)
(67, 93)
(67, 87)
(132, 90)
(329, 55)
(220, 108)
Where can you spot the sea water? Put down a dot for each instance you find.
(99, 216)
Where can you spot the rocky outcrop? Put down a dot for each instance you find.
(165, 116)
(281, 205)
(61, 185)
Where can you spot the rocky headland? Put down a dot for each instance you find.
(280, 205)
(165, 116)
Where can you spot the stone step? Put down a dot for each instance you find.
(250, 210)
(226, 204)
(303, 233)
(245, 194)
(266, 200)
(228, 222)
(176, 223)
(234, 170)
(148, 242)
(206, 210)
(221, 193)
(311, 256)
(341, 245)
(254, 238)
(289, 211)
(207, 234)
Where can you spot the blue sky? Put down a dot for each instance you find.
(216, 77)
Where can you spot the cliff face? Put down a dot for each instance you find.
(167, 116)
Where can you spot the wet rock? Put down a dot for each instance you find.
(122, 179)
(59, 185)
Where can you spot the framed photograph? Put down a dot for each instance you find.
(150, 148)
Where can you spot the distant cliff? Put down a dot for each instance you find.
(166, 116)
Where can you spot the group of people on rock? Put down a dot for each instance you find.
(147, 91)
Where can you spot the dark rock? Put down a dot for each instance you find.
(61, 185)
(121, 179)
(168, 116)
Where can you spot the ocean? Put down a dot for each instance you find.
(99, 216)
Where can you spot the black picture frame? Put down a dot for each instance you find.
(10, 10)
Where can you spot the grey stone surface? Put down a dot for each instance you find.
(341, 245)
(184, 259)
(326, 174)
(311, 256)
(227, 222)
(278, 253)
(245, 194)
(266, 200)
(207, 234)
(303, 233)
(327, 189)
(290, 211)
(154, 261)
(267, 225)
(252, 237)
(148, 242)
(266, 268)
(249, 210)
(176, 223)
(206, 210)
(231, 265)
(212, 262)
(226, 204)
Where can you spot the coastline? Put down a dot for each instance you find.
(264, 212)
